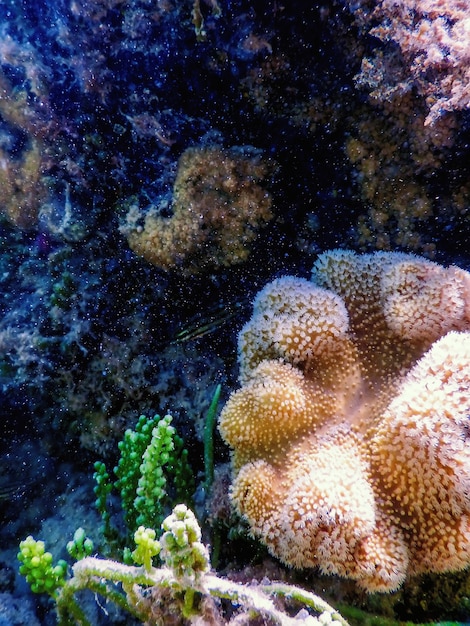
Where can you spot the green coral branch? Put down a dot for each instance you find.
(97, 580)
(80, 546)
(257, 599)
(151, 486)
(38, 568)
(147, 547)
(152, 473)
(186, 572)
(304, 597)
(102, 489)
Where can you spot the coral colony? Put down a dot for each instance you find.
(169, 168)
(186, 572)
(218, 207)
(349, 433)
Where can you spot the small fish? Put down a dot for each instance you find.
(198, 327)
(12, 490)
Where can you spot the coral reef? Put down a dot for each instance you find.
(349, 433)
(219, 203)
(160, 161)
(413, 67)
(430, 52)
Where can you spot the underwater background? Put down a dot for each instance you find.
(160, 162)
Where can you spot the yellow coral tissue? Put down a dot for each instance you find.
(350, 433)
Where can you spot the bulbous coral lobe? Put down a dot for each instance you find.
(425, 484)
(349, 431)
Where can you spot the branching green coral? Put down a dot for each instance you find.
(38, 569)
(182, 549)
(186, 573)
(151, 455)
(183, 552)
(102, 489)
(147, 547)
(63, 292)
(153, 472)
(80, 546)
(164, 457)
(132, 448)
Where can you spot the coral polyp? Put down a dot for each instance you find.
(349, 433)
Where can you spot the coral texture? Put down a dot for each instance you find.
(22, 157)
(350, 430)
(218, 207)
(431, 52)
(394, 158)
